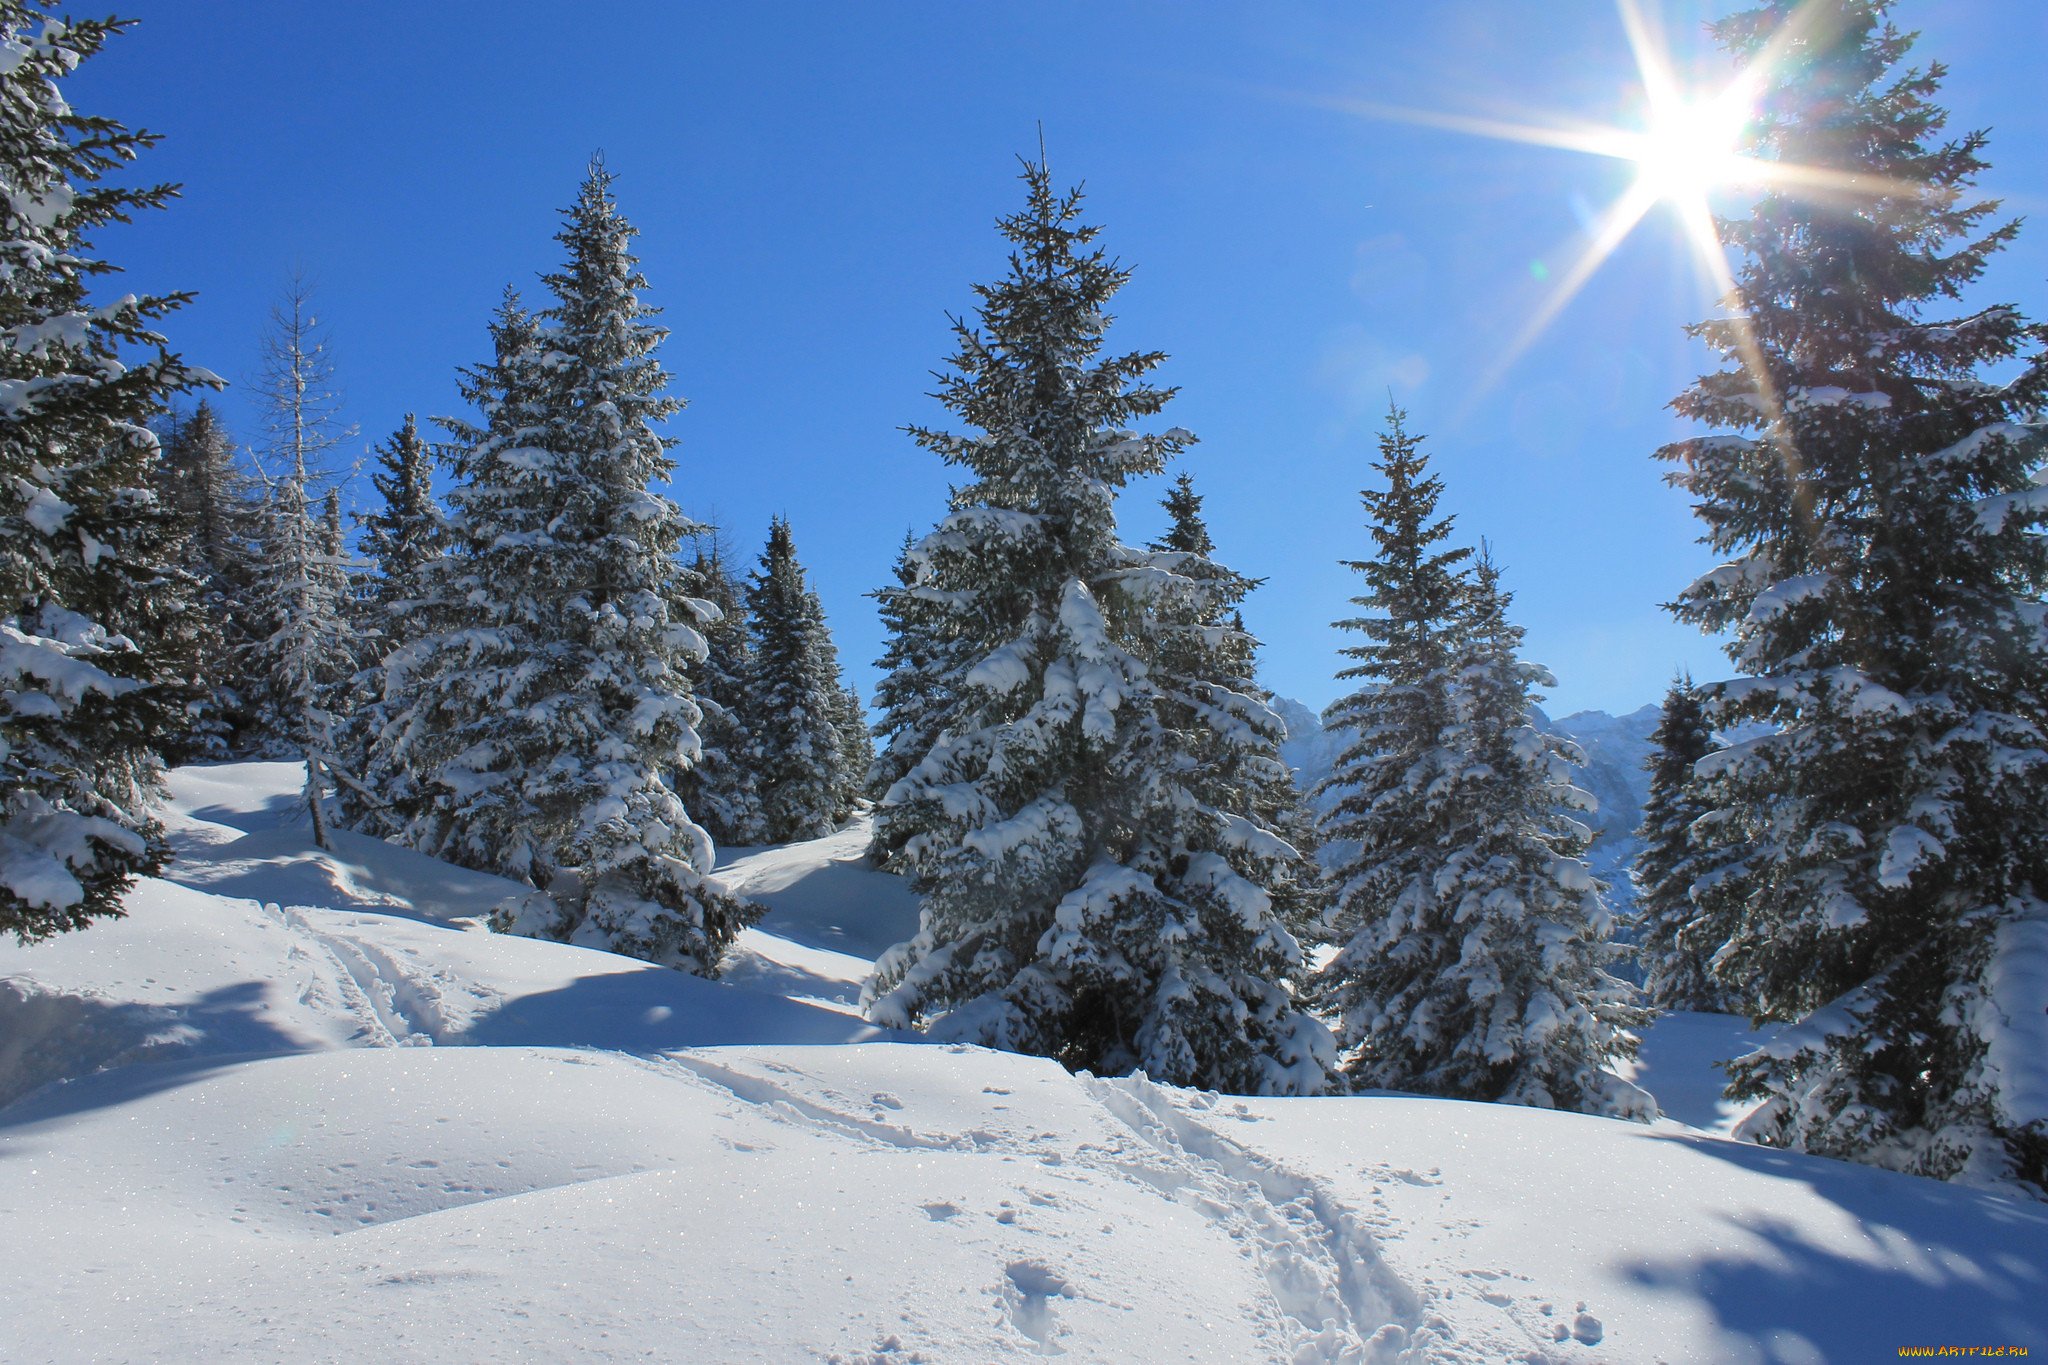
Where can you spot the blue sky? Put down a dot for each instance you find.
(816, 184)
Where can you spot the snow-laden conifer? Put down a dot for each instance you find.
(401, 537)
(1880, 851)
(720, 788)
(1675, 940)
(1472, 939)
(921, 668)
(451, 759)
(404, 533)
(548, 717)
(806, 773)
(1205, 665)
(1082, 897)
(212, 501)
(856, 741)
(83, 709)
(1385, 794)
(1523, 1008)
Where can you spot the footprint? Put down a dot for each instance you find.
(1027, 1299)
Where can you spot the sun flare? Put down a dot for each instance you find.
(1689, 150)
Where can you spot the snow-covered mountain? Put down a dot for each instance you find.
(299, 1106)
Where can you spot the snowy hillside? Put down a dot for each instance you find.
(300, 1107)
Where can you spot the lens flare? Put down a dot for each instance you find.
(1690, 148)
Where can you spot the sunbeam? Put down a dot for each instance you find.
(1689, 149)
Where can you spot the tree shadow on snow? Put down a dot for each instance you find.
(281, 810)
(753, 972)
(358, 873)
(655, 1011)
(69, 1054)
(1937, 1264)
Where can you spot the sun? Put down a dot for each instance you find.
(1690, 148)
(1694, 146)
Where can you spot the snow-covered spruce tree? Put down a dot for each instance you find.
(1884, 851)
(804, 770)
(719, 789)
(448, 763)
(921, 669)
(211, 500)
(153, 599)
(400, 539)
(1473, 941)
(301, 650)
(1204, 661)
(1521, 1002)
(550, 716)
(1083, 899)
(1675, 940)
(334, 542)
(80, 722)
(856, 742)
(1386, 789)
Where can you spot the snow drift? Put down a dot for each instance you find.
(299, 1106)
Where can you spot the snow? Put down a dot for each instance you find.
(830, 915)
(1994, 513)
(1004, 671)
(2017, 1031)
(1833, 395)
(1678, 1064)
(1787, 593)
(299, 1106)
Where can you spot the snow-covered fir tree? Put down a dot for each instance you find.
(921, 669)
(1205, 662)
(1675, 942)
(83, 574)
(807, 773)
(1472, 939)
(301, 650)
(1526, 945)
(545, 722)
(448, 762)
(400, 538)
(1386, 787)
(1084, 898)
(156, 601)
(1881, 852)
(211, 499)
(720, 788)
(856, 742)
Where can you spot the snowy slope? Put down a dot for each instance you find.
(347, 1124)
(829, 917)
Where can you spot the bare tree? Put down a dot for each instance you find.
(302, 650)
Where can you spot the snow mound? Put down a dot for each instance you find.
(886, 1202)
(298, 1106)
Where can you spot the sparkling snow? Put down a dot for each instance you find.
(298, 1106)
